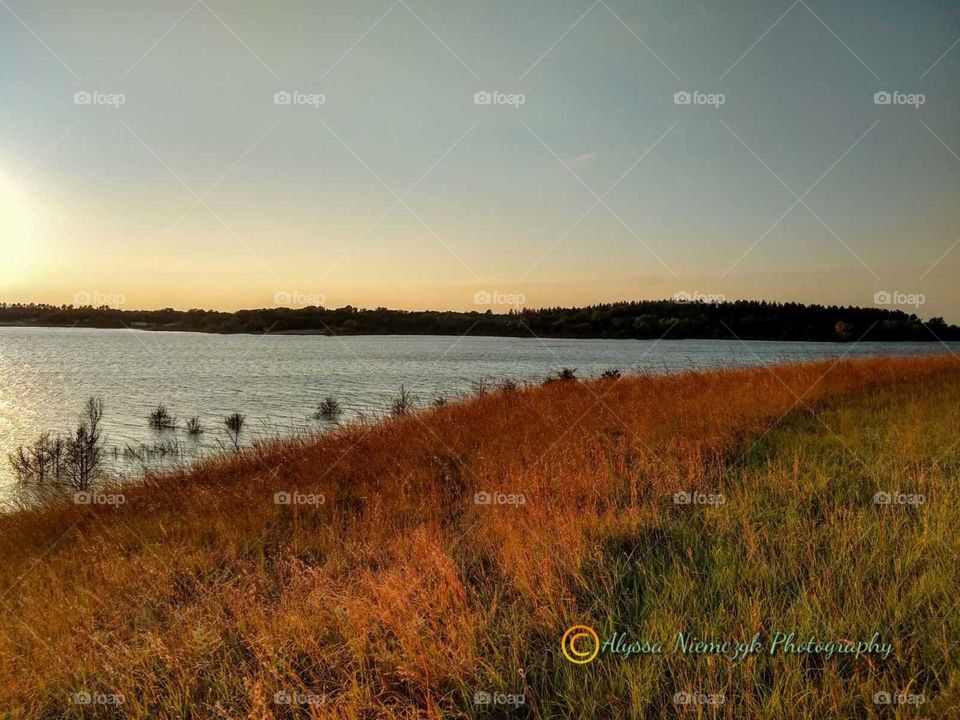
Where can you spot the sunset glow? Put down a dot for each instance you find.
(410, 155)
(16, 234)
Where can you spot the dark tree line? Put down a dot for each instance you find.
(746, 319)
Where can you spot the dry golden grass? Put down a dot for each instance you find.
(399, 596)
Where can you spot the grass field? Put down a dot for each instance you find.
(428, 566)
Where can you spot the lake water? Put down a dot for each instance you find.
(277, 381)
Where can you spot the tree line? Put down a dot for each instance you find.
(644, 319)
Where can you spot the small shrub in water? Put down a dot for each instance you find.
(72, 462)
(234, 424)
(329, 409)
(161, 419)
(402, 403)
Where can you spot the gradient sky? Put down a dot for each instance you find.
(399, 190)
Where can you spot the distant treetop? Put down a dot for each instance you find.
(643, 319)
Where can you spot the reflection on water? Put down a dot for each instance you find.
(277, 381)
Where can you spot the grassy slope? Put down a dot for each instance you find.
(401, 597)
(799, 546)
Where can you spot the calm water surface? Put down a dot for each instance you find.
(277, 380)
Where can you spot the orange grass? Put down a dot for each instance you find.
(398, 596)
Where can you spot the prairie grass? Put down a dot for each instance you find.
(399, 596)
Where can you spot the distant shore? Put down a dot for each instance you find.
(164, 328)
(639, 320)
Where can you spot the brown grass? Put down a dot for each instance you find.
(398, 596)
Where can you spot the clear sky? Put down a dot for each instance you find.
(185, 182)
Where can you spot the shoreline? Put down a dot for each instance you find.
(528, 336)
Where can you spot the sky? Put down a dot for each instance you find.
(462, 155)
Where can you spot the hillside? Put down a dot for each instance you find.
(428, 566)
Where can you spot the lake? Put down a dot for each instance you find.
(277, 381)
